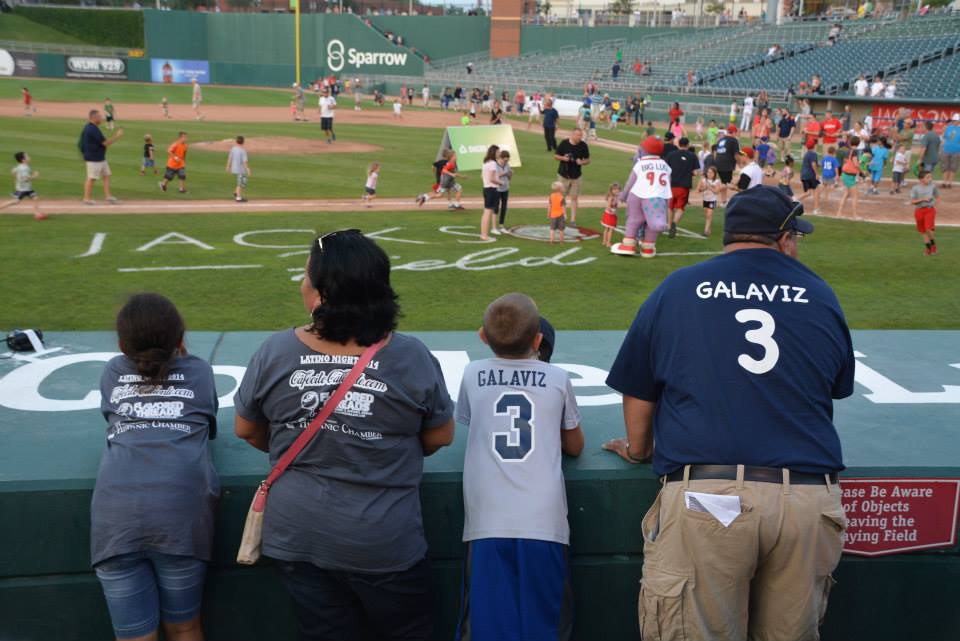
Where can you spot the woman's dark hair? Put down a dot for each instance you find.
(492, 152)
(352, 274)
(150, 330)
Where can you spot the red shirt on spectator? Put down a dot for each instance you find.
(831, 128)
(812, 130)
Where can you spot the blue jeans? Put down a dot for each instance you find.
(142, 588)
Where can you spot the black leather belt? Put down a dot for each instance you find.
(750, 473)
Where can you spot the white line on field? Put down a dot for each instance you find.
(184, 268)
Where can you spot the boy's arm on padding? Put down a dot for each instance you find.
(571, 441)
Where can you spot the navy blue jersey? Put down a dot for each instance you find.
(808, 171)
(743, 355)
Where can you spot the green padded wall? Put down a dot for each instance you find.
(901, 421)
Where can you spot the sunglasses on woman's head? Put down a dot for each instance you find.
(334, 233)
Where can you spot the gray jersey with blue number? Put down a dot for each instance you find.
(512, 476)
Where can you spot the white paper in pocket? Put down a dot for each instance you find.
(722, 507)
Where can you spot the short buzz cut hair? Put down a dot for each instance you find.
(511, 324)
(93, 112)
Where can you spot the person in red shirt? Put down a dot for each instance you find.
(811, 133)
(28, 106)
(831, 128)
(675, 113)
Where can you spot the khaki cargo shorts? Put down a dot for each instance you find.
(97, 170)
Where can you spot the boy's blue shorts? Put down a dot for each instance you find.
(876, 175)
(515, 590)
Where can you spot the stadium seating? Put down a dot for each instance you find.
(733, 60)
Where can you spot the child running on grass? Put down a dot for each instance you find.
(176, 163)
(609, 219)
(397, 108)
(23, 177)
(448, 184)
(148, 159)
(556, 210)
(848, 177)
(238, 165)
(370, 187)
(165, 108)
(829, 167)
(710, 186)
(108, 109)
(924, 196)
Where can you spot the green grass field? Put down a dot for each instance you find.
(14, 27)
(877, 270)
(406, 157)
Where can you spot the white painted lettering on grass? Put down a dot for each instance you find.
(241, 238)
(174, 238)
(452, 229)
(184, 268)
(487, 259)
(95, 245)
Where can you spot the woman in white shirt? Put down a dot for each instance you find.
(491, 197)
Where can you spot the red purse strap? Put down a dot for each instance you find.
(315, 425)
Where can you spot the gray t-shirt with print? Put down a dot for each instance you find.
(351, 499)
(157, 488)
(931, 148)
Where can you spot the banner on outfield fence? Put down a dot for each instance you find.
(471, 144)
(171, 72)
(95, 67)
(13, 63)
(887, 115)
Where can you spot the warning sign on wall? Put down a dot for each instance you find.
(888, 516)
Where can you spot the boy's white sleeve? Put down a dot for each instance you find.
(571, 412)
(462, 414)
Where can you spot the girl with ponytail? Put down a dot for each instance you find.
(156, 490)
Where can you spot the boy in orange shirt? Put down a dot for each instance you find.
(556, 210)
(176, 163)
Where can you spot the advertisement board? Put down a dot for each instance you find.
(13, 63)
(95, 67)
(892, 515)
(886, 115)
(471, 143)
(170, 72)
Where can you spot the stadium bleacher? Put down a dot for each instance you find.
(919, 52)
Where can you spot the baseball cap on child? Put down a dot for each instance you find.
(748, 152)
(764, 210)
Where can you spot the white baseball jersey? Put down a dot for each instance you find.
(653, 178)
(512, 475)
(748, 103)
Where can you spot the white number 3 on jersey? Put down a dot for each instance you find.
(762, 336)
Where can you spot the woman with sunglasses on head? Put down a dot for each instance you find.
(343, 521)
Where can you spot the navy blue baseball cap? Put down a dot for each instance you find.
(548, 341)
(764, 210)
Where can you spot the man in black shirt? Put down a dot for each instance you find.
(668, 146)
(727, 148)
(550, 117)
(684, 165)
(573, 153)
(93, 145)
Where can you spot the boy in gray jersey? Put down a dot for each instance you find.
(521, 413)
(238, 165)
(924, 196)
(23, 177)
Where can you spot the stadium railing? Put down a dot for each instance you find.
(70, 50)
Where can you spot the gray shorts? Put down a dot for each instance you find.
(950, 162)
(558, 223)
(241, 180)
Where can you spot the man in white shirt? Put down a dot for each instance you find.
(426, 95)
(746, 120)
(196, 99)
(891, 90)
(860, 86)
(327, 104)
(876, 89)
(751, 174)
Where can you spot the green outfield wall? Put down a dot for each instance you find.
(900, 423)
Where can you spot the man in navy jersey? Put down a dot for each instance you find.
(730, 367)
